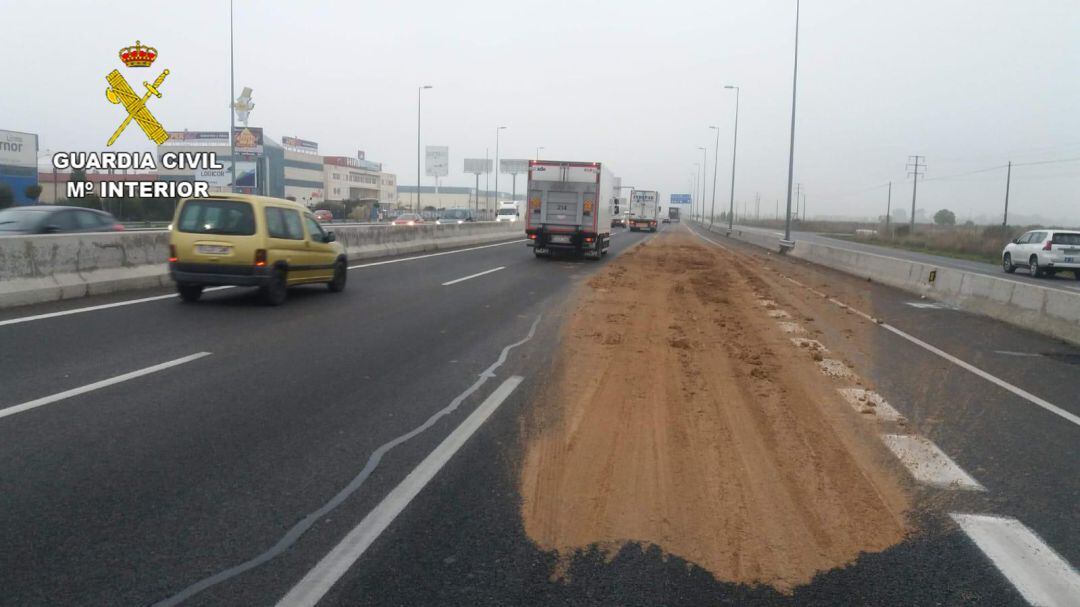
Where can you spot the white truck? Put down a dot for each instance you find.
(569, 208)
(508, 211)
(644, 210)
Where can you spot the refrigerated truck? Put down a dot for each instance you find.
(569, 208)
(644, 210)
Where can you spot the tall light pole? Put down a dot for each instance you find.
(791, 145)
(734, 149)
(497, 163)
(232, 97)
(538, 152)
(704, 177)
(419, 90)
(697, 180)
(715, 158)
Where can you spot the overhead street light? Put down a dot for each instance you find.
(791, 145)
(715, 157)
(734, 149)
(704, 177)
(697, 180)
(497, 163)
(538, 152)
(418, 91)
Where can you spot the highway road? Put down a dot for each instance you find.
(362, 448)
(1065, 282)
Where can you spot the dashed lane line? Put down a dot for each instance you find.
(928, 463)
(471, 276)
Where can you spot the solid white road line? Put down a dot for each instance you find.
(928, 463)
(130, 302)
(860, 398)
(329, 570)
(470, 276)
(33, 404)
(1041, 575)
(1024, 394)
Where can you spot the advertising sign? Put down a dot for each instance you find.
(248, 141)
(246, 174)
(513, 166)
(478, 165)
(437, 161)
(680, 199)
(300, 145)
(645, 196)
(18, 149)
(198, 137)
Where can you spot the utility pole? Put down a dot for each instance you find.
(497, 163)
(232, 100)
(419, 90)
(757, 206)
(798, 197)
(715, 157)
(888, 210)
(916, 166)
(1008, 179)
(704, 175)
(734, 147)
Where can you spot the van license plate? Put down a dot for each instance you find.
(210, 249)
(560, 239)
(1068, 260)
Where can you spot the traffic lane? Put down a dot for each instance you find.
(1024, 455)
(78, 349)
(196, 499)
(461, 542)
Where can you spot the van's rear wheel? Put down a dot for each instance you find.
(275, 291)
(189, 293)
(341, 273)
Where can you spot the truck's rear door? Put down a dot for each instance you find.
(566, 195)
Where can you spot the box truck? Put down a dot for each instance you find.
(644, 210)
(569, 208)
(673, 214)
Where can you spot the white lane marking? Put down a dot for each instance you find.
(129, 302)
(471, 276)
(1041, 575)
(928, 463)
(1024, 394)
(46, 400)
(329, 570)
(1011, 353)
(861, 400)
(927, 305)
(15, 321)
(415, 257)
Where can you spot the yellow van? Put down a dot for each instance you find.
(251, 241)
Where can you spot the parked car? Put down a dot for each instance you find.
(408, 219)
(455, 216)
(323, 216)
(252, 241)
(1044, 252)
(50, 219)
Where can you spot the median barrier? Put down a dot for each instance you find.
(1043, 309)
(52, 267)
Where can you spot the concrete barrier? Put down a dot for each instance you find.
(1046, 310)
(36, 269)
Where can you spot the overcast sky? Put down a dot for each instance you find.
(967, 84)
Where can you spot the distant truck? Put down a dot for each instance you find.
(673, 214)
(644, 210)
(569, 208)
(508, 211)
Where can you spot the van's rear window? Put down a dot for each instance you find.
(1066, 238)
(217, 217)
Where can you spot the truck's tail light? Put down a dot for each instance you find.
(172, 253)
(260, 257)
(1046, 247)
(532, 236)
(589, 239)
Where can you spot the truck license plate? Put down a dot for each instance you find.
(210, 249)
(1068, 260)
(560, 239)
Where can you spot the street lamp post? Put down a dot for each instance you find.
(232, 98)
(538, 152)
(734, 150)
(419, 90)
(715, 158)
(791, 145)
(697, 180)
(497, 163)
(704, 177)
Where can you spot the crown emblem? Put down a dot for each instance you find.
(138, 55)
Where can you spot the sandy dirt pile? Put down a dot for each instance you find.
(680, 415)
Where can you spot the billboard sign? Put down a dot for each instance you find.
(246, 174)
(680, 199)
(248, 141)
(197, 137)
(300, 145)
(18, 149)
(513, 166)
(437, 161)
(477, 165)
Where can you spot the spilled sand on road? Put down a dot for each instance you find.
(679, 415)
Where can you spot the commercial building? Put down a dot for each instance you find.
(387, 189)
(18, 163)
(356, 179)
(453, 197)
(260, 163)
(303, 171)
(54, 183)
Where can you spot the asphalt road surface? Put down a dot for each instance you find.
(360, 448)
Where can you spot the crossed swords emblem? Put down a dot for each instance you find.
(120, 91)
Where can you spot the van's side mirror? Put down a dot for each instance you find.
(330, 237)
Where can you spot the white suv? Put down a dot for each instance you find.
(1044, 252)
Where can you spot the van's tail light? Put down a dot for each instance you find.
(172, 253)
(1046, 247)
(260, 258)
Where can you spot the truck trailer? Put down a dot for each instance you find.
(569, 208)
(644, 210)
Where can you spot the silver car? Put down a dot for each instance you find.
(1044, 253)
